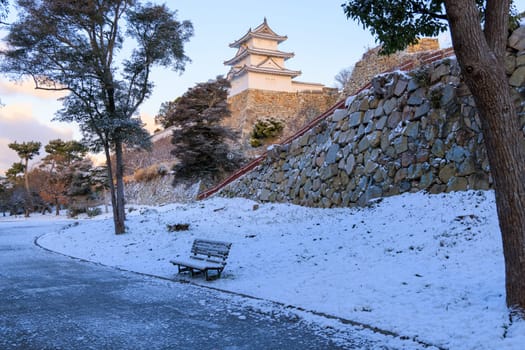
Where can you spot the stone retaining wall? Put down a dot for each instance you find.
(408, 132)
(372, 63)
(294, 109)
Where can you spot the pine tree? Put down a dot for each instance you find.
(26, 151)
(56, 169)
(163, 117)
(202, 145)
(15, 173)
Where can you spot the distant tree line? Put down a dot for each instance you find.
(64, 179)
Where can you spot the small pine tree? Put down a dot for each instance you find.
(26, 151)
(202, 144)
(264, 130)
(80, 191)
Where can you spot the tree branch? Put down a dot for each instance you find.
(422, 9)
(496, 26)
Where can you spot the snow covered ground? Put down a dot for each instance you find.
(429, 267)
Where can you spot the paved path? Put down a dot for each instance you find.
(48, 301)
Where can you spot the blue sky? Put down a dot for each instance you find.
(323, 40)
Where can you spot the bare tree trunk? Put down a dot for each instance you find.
(119, 174)
(105, 199)
(28, 205)
(111, 186)
(480, 57)
(26, 175)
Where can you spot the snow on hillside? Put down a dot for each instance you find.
(428, 267)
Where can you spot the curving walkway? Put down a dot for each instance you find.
(49, 301)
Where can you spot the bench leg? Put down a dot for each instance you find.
(194, 272)
(187, 269)
(217, 276)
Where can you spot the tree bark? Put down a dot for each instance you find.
(480, 57)
(119, 174)
(29, 201)
(111, 186)
(26, 175)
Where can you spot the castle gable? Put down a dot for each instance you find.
(263, 31)
(270, 63)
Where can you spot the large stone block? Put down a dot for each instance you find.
(380, 124)
(363, 144)
(438, 148)
(416, 97)
(400, 144)
(394, 119)
(517, 39)
(339, 114)
(439, 71)
(390, 105)
(375, 138)
(422, 110)
(447, 172)
(331, 155)
(348, 164)
(370, 166)
(411, 130)
(355, 119)
(510, 63)
(457, 184)
(517, 78)
(400, 87)
(426, 180)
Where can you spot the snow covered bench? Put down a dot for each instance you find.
(205, 256)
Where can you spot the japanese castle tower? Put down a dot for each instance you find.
(259, 64)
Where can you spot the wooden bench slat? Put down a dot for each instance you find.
(198, 264)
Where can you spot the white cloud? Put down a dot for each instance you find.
(18, 123)
(27, 88)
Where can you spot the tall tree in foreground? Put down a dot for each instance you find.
(479, 32)
(202, 144)
(75, 45)
(4, 10)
